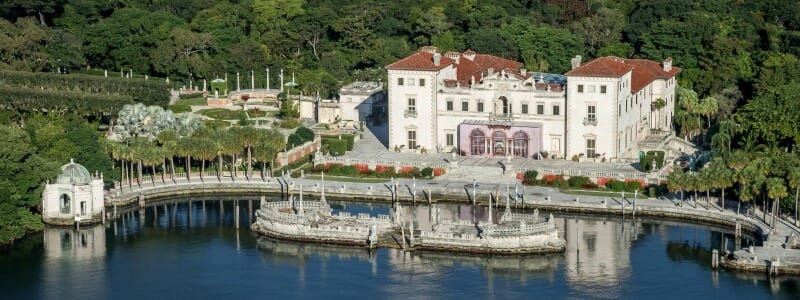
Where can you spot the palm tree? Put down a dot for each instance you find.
(776, 190)
(204, 149)
(265, 150)
(152, 156)
(247, 137)
(705, 180)
(721, 177)
(230, 145)
(138, 147)
(676, 181)
(185, 148)
(737, 160)
(169, 142)
(794, 182)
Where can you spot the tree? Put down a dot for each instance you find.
(676, 181)
(169, 142)
(721, 177)
(776, 190)
(794, 182)
(248, 137)
(185, 52)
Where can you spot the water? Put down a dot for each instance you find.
(199, 254)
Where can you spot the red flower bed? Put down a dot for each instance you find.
(362, 168)
(382, 168)
(406, 170)
(641, 181)
(601, 181)
(550, 178)
(438, 172)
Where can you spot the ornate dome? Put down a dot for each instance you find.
(73, 173)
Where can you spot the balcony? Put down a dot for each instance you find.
(410, 113)
(501, 117)
(590, 121)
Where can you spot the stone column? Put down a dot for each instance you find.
(238, 86)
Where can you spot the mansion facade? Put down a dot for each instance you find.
(484, 105)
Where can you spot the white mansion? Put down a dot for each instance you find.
(483, 105)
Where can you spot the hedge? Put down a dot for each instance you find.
(348, 138)
(34, 99)
(335, 146)
(149, 92)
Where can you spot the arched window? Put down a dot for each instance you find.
(65, 204)
(520, 146)
(499, 143)
(477, 142)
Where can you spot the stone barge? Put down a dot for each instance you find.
(782, 260)
(513, 234)
(313, 221)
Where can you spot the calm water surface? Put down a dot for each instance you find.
(173, 251)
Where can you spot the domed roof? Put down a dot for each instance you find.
(73, 173)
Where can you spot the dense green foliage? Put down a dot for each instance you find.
(32, 155)
(300, 137)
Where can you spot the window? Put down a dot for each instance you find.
(399, 81)
(524, 108)
(449, 139)
(464, 106)
(449, 105)
(480, 106)
(540, 109)
(590, 149)
(412, 104)
(65, 204)
(421, 82)
(591, 88)
(477, 142)
(602, 89)
(556, 110)
(412, 139)
(580, 88)
(591, 112)
(411, 81)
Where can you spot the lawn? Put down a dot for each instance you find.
(599, 193)
(220, 113)
(200, 101)
(180, 108)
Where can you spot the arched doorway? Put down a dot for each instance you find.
(499, 143)
(65, 204)
(477, 140)
(520, 144)
(505, 107)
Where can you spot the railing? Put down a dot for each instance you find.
(501, 117)
(323, 159)
(620, 175)
(410, 114)
(590, 121)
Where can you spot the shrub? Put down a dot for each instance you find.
(294, 140)
(530, 176)
(427, 172)
(336, 146)
(615, 185)
(632, 185)
(589, 185)
(578, 181)
(575, 158)
(305, 134)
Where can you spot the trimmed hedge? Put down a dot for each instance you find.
(348, 138)
(335, 146)
(34, 99)
(149, 92)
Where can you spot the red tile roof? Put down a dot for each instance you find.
(644, 70)
(601, 67)
(420, 61)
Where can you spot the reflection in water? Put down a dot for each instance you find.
(151, 251)
(73, 261)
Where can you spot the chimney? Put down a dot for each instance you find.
(453, 55)
(576, 61)
(437, 59)
(524, 72)
(667, 64)
(491, 71)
